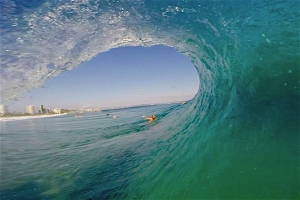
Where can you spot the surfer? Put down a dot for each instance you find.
(153, 117)
(78, 115)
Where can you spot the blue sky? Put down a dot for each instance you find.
(120, 77)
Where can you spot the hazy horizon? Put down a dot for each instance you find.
(10, 110)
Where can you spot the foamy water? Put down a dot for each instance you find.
(5, 119)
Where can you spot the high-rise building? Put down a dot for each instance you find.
(30, 109)
(3, 110)
(41, 109)
(47, 110)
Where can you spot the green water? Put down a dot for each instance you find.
(237, 139)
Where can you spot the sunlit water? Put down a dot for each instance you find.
(237, 139)
(48, 157)
(100, 157)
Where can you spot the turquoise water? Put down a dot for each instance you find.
(69, 157)
(237, 139)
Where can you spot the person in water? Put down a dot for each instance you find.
(153, 117)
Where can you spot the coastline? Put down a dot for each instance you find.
(13, 118)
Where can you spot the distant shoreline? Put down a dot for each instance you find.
(11, 118)
(142, 105)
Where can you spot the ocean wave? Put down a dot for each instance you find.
(225, 143)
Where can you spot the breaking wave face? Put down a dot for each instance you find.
(246, 54)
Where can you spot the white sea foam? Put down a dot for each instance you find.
(29, 117)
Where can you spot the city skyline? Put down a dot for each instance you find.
(121, 77)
